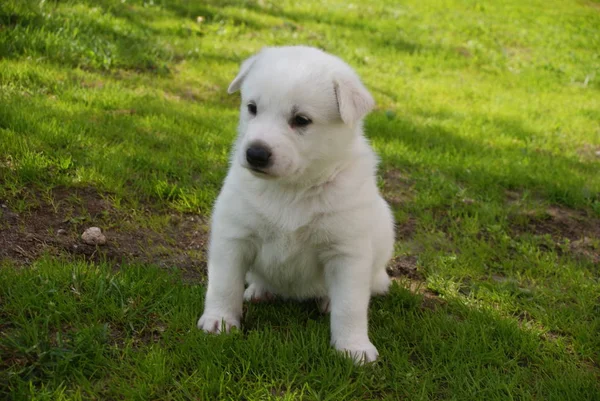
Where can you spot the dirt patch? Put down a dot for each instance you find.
(397, 188)
(406, 230)
(588, 248)
(55, 226)
(593, 4)
(430, 299)
(404, 266)
(580, 229)
(588, 151)
(513, 196)
(398, 191)
(558, 222)
(463, 51)
(518, 52)
(404, 270)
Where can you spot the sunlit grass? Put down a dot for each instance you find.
(488, 129)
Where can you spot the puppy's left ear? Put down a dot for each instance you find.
(235, 85)
(354, 100)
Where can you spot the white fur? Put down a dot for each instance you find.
(313, 224)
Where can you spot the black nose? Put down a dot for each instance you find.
(258, 156)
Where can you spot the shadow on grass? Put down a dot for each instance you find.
(173, 151)
(481, 164)
(213, 11)
(88, 39)
(144, 149)
(98, 40)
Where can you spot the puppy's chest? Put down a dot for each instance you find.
(296, 251)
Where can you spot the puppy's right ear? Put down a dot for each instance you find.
(354, 100)
(244, 70)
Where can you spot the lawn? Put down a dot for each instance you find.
(114, 113)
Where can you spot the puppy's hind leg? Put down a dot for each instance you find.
(324, 305)
(257, 290)
(381, 283)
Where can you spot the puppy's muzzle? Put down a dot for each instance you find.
(258, 156)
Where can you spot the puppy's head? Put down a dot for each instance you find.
(301, 110)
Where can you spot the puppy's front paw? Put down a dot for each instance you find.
(215, 323)
(360, 353)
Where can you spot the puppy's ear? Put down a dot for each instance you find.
(354, 100)
(235, 85)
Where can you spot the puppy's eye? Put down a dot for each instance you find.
(252, 108)
(300, 121)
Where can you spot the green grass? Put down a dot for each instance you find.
(488, 126)
(81, 331)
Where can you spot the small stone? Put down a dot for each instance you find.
(61, 231)
(597, 155)
(93, 236)
(4, 206)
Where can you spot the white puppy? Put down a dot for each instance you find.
(300, 215)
